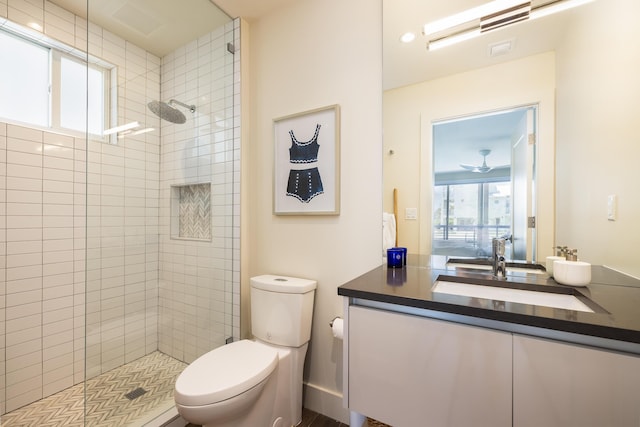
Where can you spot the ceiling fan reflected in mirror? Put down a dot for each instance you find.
(482, 168)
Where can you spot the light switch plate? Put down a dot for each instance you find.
(411, 213)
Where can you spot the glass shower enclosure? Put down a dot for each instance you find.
(120, 248)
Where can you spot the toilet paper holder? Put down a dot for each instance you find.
(337, 327)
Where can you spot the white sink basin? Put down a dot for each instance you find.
(489, 267)
(545, 299)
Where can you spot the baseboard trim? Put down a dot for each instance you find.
(326, 402)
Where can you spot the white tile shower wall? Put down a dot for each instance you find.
(45, 190)
(41, 249)
(197, 279)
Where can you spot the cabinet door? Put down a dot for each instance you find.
(411, 371)
(565, 385)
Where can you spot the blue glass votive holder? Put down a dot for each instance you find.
(395, 258)
(404, 254)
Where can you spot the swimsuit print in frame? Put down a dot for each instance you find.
(306, 177)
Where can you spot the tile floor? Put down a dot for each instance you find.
(313, 419)
(109, 407)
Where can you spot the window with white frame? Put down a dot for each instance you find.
(24, 80)
(76, 109)
(45, 87)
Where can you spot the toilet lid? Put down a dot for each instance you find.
(224, 373)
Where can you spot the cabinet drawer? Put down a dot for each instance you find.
(408, 371)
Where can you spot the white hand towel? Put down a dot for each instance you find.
(388, 232)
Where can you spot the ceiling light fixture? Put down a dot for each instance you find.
(490, 16)
(505, 17)
(555, 7)
(453, 39)
(468, 16)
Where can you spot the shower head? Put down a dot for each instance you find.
(168, 112)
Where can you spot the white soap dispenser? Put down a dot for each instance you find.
(571, 271)
(559, 256)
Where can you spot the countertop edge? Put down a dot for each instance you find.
(358, 289)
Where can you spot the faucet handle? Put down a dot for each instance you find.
(571, 254)
(507, 237)
(561, 251)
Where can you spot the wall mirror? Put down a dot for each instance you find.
(579, 74)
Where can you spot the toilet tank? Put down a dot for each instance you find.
(281, 309)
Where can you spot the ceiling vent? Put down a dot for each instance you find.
(501, 48)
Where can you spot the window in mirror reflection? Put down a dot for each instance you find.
(467, 216)
(483, 188)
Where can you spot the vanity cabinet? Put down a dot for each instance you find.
(565, 385)
(407, 370)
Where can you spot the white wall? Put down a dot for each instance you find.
(305, 55)
(410, 110)
(598, 142)
(43, 250)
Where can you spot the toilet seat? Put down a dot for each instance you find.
(225, 372)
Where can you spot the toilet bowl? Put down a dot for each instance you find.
(254, 383)
(224, 383)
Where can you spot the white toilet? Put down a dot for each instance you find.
(255, 383)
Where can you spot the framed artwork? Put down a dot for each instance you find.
(307, 163)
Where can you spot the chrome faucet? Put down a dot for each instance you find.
(499, 263)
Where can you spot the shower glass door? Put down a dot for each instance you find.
(161, 185)
(119, 225)
(119, 221)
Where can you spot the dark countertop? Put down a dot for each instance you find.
(614, 297)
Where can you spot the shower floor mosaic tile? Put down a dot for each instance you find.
(107, 405)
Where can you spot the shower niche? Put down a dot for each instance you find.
(191, 211)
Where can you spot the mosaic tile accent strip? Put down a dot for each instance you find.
(194, 211)
(107, 405)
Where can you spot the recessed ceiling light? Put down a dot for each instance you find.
(408, 37)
